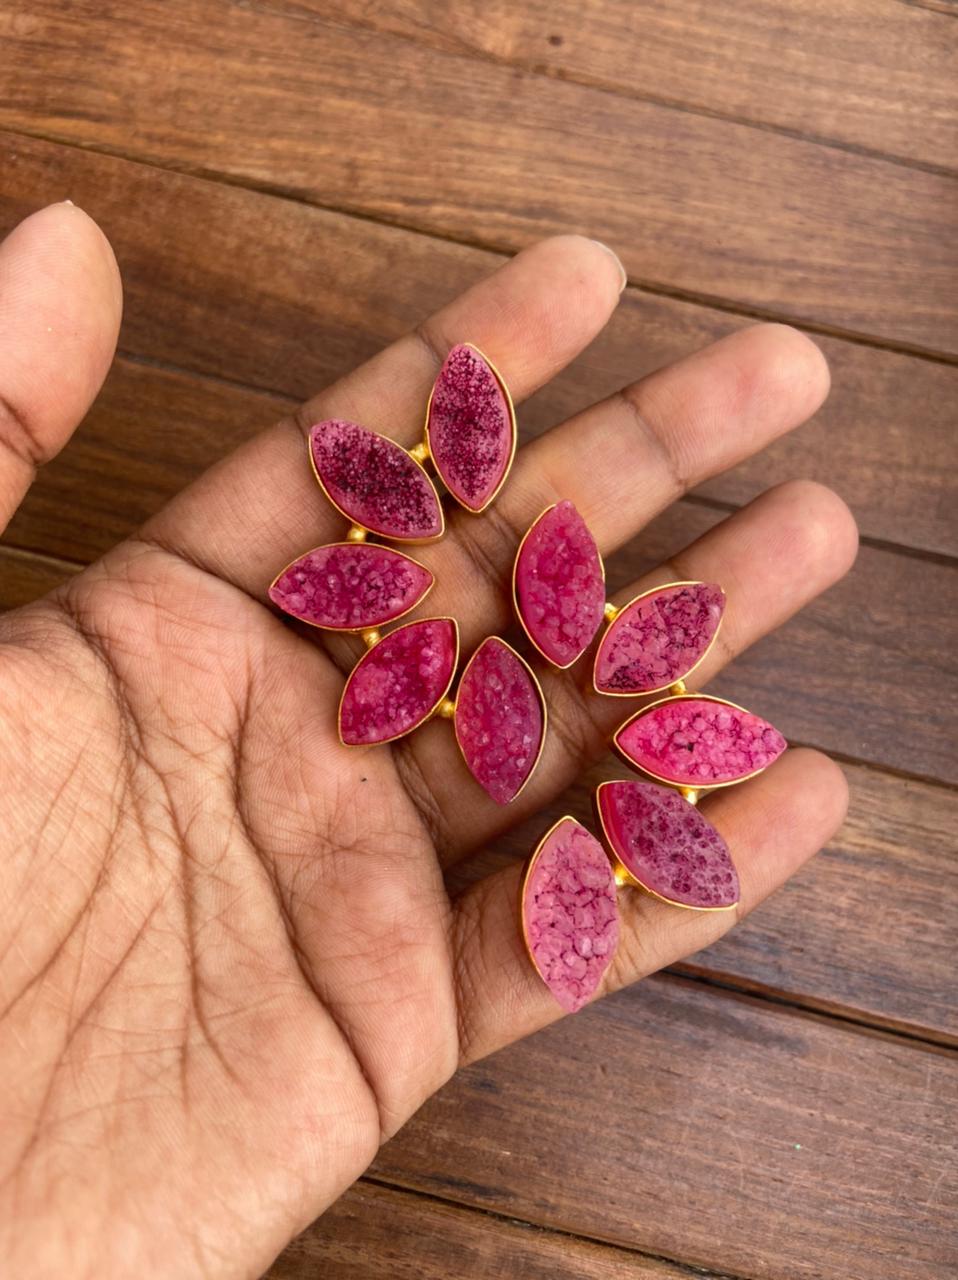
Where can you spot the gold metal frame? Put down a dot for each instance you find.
(611, 621)
(429, 714)
(354, 527)
(624, 878)
(539, 694)
(352, 542)
(684, 787)
(515, 594)
(512, 422)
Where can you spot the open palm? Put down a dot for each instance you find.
(229, 966)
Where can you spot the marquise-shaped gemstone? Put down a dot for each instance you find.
(658, 638)
(470, 428)
(569, 916)
(399, 682)
(374, 482)
(348, 586)
(500, 718)
(559, 585)
(667, 845)
(699, 742)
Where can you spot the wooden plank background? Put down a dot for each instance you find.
(781, 1105)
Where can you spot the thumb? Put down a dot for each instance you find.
(60, 306)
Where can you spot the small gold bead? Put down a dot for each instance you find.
(420, 452)
(690, 794)
(355, 534)
(446, 709)
(611, 612)
(370, 637)
(676, 689)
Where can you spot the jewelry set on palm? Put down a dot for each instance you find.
(689, 743)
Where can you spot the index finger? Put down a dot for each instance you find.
(257, 509)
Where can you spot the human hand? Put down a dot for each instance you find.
(229, 967)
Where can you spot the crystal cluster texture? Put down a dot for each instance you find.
(569, 914)
(699, 742)
(399, 682)
(374, 482)
(499, 719)
(658, 638)
(667, 845)
(348, 586)
(470, 429)
(559, 585)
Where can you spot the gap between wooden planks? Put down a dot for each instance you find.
(376, 124)
(375, 1232)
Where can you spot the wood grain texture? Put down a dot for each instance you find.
(877, 74)
(377, 124)
(25, 577)
(723, 1132)
(379, 1233)
(283, 296)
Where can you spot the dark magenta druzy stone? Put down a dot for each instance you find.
(499, 719)
(667, 844)
(348, 586)
(374, 482)
(658, 638)
(699, 742)
(399, 682)
(470, 428)
(559, 585)
(569, 915)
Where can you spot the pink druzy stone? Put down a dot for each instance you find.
(374, 482)
(348, 586)
(399, 682)
(569, 914)
(559, 584)
(499, 719)
(699, 742)
(658, 638)
(668, 845)
(470, 428)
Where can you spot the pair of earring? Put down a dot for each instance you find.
(688, 742)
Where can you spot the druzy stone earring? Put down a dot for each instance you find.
(650, 644)
(657, 839)
(359, 586)
(657, 842)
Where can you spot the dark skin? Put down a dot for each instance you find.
(229, 965)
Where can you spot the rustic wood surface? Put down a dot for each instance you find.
(781, 1105)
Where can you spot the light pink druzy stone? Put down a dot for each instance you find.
(658, 638)
(668, 845)
(499, 719)
(374, 482)
(399, 682)
(560, 586)
(348, 586)
(569, 914)
(698, 742)
(470, 430)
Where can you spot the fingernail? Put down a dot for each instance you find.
(618, 262)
